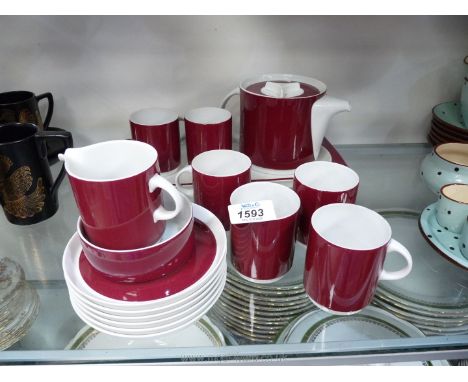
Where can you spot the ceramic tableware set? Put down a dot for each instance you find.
(19, 303)
(135, 230)
(434, 296)
(263, 290)
(144, 260)
(450, 119)
(442, 223)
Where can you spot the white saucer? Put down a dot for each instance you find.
(144, 316)
(261, 173)
(201, 333)
(154, 329)
(155, 321)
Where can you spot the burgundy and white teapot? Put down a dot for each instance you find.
(283, 118)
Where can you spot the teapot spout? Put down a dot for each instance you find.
(322, 111)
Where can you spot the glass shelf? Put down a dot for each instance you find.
(389, 179)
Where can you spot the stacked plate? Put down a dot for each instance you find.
(434, 296)
(19, 303)
(371, 323)
(157, 307)
(447, 124)
(256, 313)
(199, 334)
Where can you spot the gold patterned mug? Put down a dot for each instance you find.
(22, 106)
(28, 193)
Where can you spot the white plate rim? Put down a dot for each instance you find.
(169, 316)
(87, 333)
(146, 333)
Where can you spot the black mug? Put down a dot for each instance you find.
(22, 106)
(28, 193)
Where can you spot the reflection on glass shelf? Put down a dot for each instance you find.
(19, 303)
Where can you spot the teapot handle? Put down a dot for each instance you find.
(231, 94)
(322, 111)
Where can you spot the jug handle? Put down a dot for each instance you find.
(231, 94)
(68, 140)
(50, 107)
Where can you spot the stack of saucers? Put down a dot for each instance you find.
(256, 313)
(199, 334)
(434, 296)
(447, 124)
(157, 306)
(19, 303)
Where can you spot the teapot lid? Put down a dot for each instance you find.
(278, 77)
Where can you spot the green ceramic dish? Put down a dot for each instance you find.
(449, 113)
(443, 241)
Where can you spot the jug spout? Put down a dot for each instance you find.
(71, 155)
(322, 111)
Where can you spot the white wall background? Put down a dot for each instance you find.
(393, 70)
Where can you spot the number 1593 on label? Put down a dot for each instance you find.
(252, 212)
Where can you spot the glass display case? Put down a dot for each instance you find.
(422, 319)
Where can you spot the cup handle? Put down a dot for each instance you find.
(68, 140)
(185, 190)
(231, 94)
(50, 109)
(157, 181)
(395, 246)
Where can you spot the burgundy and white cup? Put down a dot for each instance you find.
(345, 255)
(160, 129)
(117, 188)
(320, 183)
(207, 128)
(216, 174)
(263, 252)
